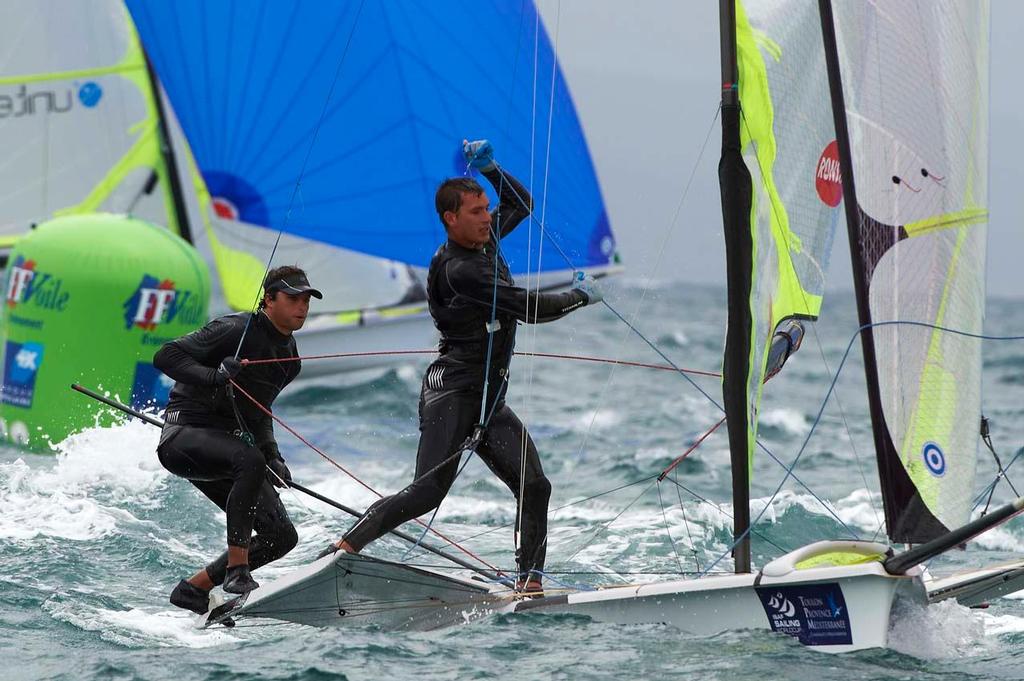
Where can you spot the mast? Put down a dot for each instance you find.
(167, 151)
(736, 193)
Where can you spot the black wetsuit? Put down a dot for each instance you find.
(201, 438)
(461, 290)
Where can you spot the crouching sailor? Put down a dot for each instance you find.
(476, 306)
(223, 443)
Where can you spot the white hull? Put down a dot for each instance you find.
(711, 605)
(978, 587)
(367, 333)
(833, 608)
(350, 590)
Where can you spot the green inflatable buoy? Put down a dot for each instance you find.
(89, 299)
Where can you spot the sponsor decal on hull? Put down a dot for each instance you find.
(813, 613)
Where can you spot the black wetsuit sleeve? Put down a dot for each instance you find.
(194, 358)
(263, 435)
(514, 202)
(473, 281)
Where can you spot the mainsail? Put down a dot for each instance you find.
(78, 121)
(403, 83)
(780, 200)
(910, 83)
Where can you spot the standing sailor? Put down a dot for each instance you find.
(223, 443)
(476, 307)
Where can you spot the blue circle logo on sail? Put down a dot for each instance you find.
(235, 199)
(89, 94)
(934, 459)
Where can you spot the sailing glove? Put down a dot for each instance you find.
(479, 154)
(280, 472)
(587, 285)
(228, 369)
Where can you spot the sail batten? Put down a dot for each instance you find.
(914, 155)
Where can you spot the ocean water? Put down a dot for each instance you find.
(93, 538)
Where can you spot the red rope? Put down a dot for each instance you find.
(352, 475)
(579, 358)
(696, 444)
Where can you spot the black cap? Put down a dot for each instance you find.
(293, 284)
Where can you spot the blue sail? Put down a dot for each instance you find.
(404, 83)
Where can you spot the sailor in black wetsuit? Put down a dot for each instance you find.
(462, 295)
(222, 442)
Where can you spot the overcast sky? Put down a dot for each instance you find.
(645, 78)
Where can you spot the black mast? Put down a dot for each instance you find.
(736, 192)
(167, 151)
(907, 518)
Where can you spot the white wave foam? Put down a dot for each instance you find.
(999, 538)
(80, 494)
(790, 420)
(861, 508)
(996, 625)
(600, 418)
(136, 628)
(942, 630)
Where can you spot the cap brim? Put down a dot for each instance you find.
(296, 290)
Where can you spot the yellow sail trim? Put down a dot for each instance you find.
(145, 151)
(933, 415)
(366, 316)
(934, 412)
(963, 218)
(125, 67)
(788, 298)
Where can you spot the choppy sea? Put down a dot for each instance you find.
(93, 537)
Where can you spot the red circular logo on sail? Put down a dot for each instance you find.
(827, 178)
(224, 208)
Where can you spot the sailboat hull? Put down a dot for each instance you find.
(804, 605)
(353, 590)
(976, 588)
(833, 608)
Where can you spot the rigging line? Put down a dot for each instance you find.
(842, 363)
(563, 506)
(657, 265)
(302, 171)
(679, 459)
(497, 238)
(540, 255)
(814, 327)
(606, 573)
(337, 465)
(671, 541)
(995, 481)
(760, 444)
(721, 510)
(434, 351)
(437, 508)
(686, 523)
(1001, 472)
(605, 526)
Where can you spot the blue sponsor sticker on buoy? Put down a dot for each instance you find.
(89, 94)
(934, 459)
